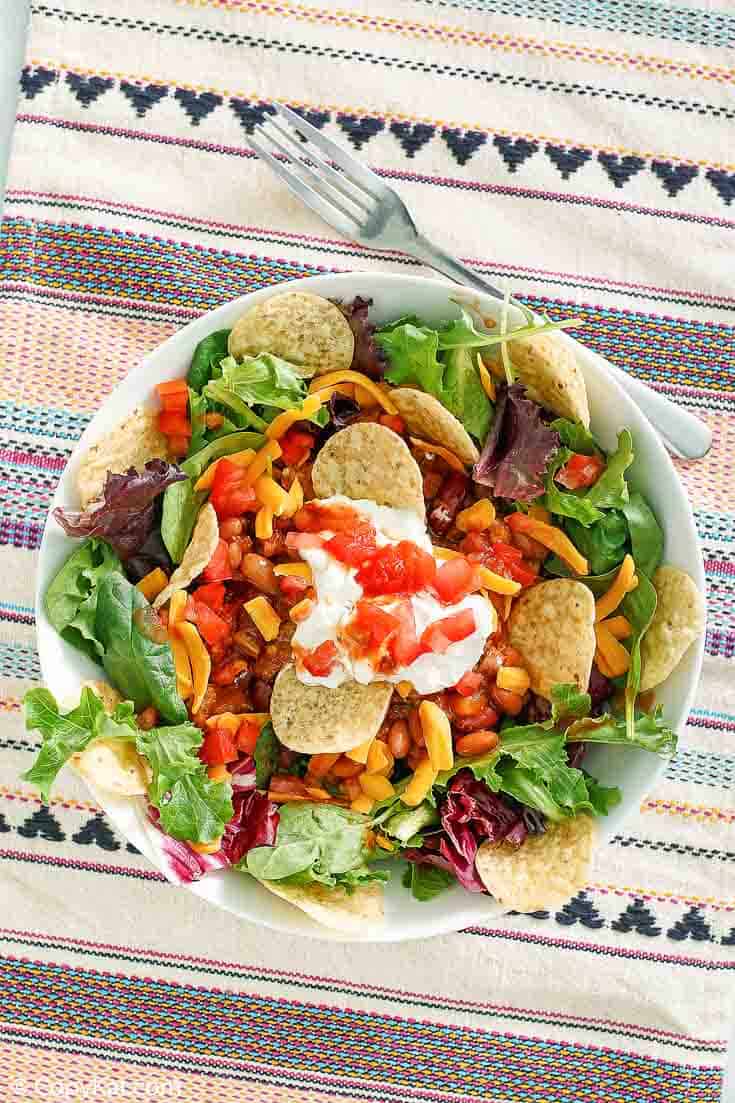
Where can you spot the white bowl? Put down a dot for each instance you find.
(64, 668)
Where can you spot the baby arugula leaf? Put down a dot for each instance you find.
(650, 732)
(412, 353)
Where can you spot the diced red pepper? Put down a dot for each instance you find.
(439, 635)
(170, 388)
(320, 661)
(455, 579)
(231, 494)
(247, 736)
(218, 569)
(580, 471)
(212, 594)
(174, 424)
(218, 748)
(296, 446)
(469, 683)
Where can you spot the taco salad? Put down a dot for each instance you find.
(361, 598)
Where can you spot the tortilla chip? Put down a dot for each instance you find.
(676, 624)
(132, 444)
(545, 871)
(426, 417)
(550, 374)
(318, 720)
(304, 329)
(109, 697)
(201, 548)
(113, 765)
(552, 625)
(359, 912)
(369, 461)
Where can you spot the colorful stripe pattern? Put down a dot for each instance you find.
(135, 203)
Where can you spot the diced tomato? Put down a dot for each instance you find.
(469, 683)
(218, 569)
(439, 635)
(320, 661)
(405, 646)
(295, 446)
(212, 594)
(353, 548)
(291, 586)
(297, 541)
(314, 517)
(218, 748)
(247, 736)
(401, 568)
(454, 580)
(373, 624)
(178, 446)
(506, 552)
(231, 495)
(212, 628)
(580, 471)
(173, 423)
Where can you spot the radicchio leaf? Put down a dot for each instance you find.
(342, 410)
(182, 863)
(151, 554)
(126, 513)
(254, 823)
(518, 448)
(470, 815)
(368, 357)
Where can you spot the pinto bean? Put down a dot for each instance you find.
(448, 502)
(258, 570)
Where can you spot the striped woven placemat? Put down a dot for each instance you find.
(577, 152)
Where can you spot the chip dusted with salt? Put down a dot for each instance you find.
(544, 871)
(427, 418)
(319, 720)
(131, 444)
(202, 547)
(304, 329)
(677, 622)
(358, 912)
(369, 461)
(547, 368)
(553, 627)
(112, 765)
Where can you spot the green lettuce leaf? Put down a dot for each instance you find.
(70, 601)
(461, 333)
(463, 393)
(316, 842)
(66, 734)
(646, 535)
(192, 806)
(568, 503)
(574, 436)
(198, 406)
(206, 359)
(603, 798)
(412, 353)
(611, 490)
(425, 882)
(650, 732)
(567, 703)
(139, 666)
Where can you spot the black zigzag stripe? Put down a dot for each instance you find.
(416, 65)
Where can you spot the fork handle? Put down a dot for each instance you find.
(683, 433)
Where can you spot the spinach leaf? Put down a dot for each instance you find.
(426, 882)
(646, 537)
(71, 600)
(412, 352)
(603, 544)
(575, 436)
(650, 731)
(139, 666)
(181, 504)
(611, 490)
(266, 755)
(463, 393)
(316, 842)
(207, 355)
(568, 503)
(65, 735)
(192, 806)
(197, 411)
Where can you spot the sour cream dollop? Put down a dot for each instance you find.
(337, 593)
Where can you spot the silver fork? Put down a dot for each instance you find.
(354, 201)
